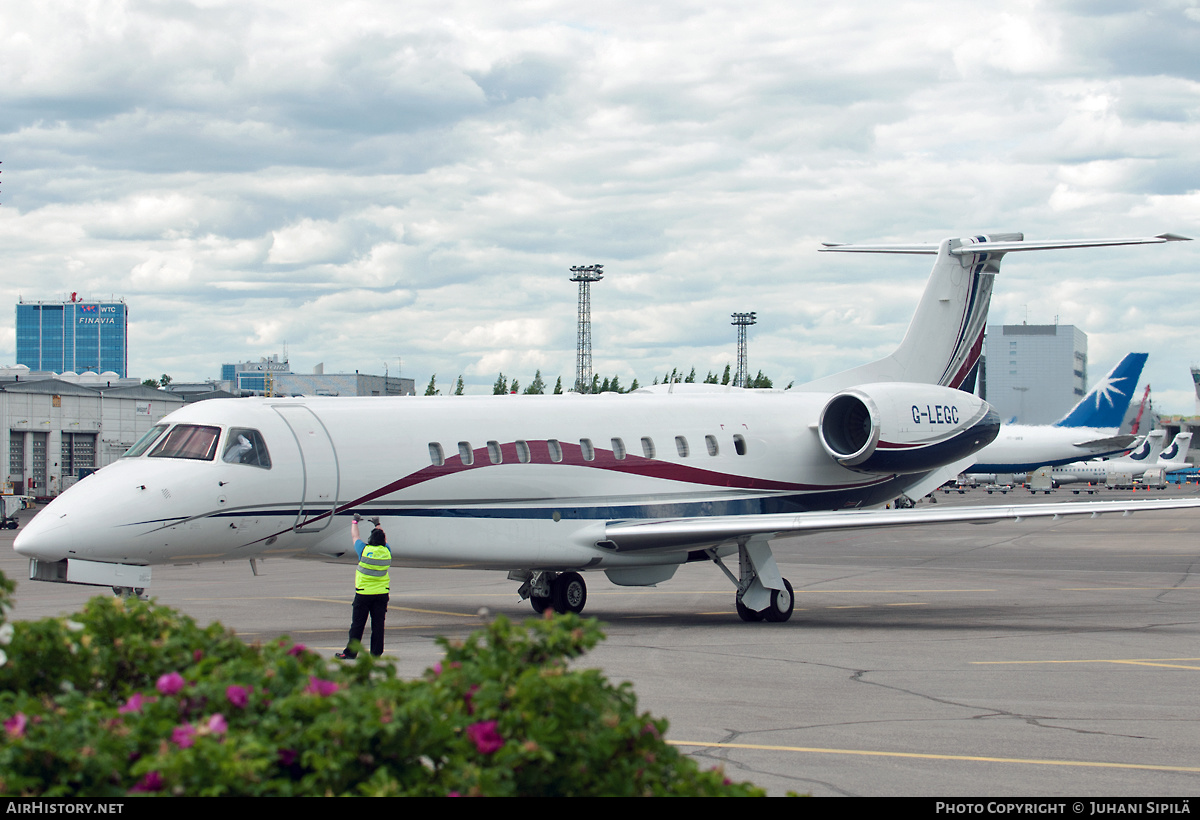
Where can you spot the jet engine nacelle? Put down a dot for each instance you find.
(900, 428)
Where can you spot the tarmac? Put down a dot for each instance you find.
(1037, 658)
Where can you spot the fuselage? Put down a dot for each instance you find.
(500, 482)
(1022, 447)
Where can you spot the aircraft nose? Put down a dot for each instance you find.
(47, 537)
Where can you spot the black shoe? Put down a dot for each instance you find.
(344, 656)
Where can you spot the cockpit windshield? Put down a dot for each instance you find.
(143, 444)
(246, 446)
(193, 441)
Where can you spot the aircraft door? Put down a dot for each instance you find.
(319, 467)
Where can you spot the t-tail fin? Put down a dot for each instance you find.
(1175, 456)
(1147, 451)
(945, 337)
(1106, 403)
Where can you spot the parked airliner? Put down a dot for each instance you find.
(547, 487)
(1090, 429)
(1149, 456)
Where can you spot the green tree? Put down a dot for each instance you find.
(558, 387)
(760, 381)
(458, 388)
(691, 378)
(536, 387)
(431, 389)
(164, 380)
(500, 388)
(150, 383)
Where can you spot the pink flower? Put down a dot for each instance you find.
(296, 649)
(170, 683)
(15, 725)
(485, 737)
(151, 782)
(135, 704)
(238, 696)
(184, 736)
(324, 688)
(217, 724)
(287, 757)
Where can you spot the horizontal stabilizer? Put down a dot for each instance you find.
(1005, 245)
(1110, 444)
(675, 534)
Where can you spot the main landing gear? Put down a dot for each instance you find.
(564, 591)
(778, 611)
(762, 593)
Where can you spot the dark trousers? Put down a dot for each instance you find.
(376, 607)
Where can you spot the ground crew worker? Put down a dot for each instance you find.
(371, 588)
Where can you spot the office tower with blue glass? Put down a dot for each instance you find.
(74, 336)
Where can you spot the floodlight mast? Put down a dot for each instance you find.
(742, 321)
(585, 275)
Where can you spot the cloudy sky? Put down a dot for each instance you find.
(407, 184)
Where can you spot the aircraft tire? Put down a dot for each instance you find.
(782, 603)
(540, 604)
(569, 592)
(747, 614)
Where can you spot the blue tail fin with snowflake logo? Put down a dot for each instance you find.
(1106, 403)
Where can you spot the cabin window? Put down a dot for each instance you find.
(246, 446)
(436, 455)
(194, 441)
(523, 452)
(647, 447)
(585, 447)
(711, 443)
(494, 454)
(618, 447)
(144, 443)
(465, 454)
(555, 450)
(682, 446)
(739, 444)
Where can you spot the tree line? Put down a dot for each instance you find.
(537, 386)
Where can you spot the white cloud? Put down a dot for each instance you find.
(414, 181)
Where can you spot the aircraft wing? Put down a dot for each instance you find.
(675, 534)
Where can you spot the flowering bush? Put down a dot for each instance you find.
(133, 698)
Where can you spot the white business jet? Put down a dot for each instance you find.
(547, 487)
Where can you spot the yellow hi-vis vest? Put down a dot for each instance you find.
(371, 577)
